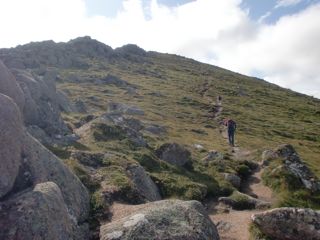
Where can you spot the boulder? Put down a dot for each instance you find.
(40, 135)
(79, 106)
(242, 201)
(156, 129)
(84, 120)
(235, 180)
(94, 160)
(120, 108)
(10, 87)
(212, 156)
(174, 153)
(45, 166)
(143, 183)
(198, 146)
(10, 143)
(294, 164)
(285, 150)
(17, 146)
(114, 126)
(289, 223)
(268, 155)
(41, 102)
(114, 80)
(38, 214)
(168, 219)
(63, 102)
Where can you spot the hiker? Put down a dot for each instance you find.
(232, 126)
(219, 100)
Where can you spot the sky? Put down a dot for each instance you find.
(277, 40)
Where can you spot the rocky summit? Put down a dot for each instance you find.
(102, 143)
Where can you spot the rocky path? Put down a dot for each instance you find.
(233, 224)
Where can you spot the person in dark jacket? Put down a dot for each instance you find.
(232, 126)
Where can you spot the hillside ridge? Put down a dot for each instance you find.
(138, 127)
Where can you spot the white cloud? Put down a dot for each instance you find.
(287, 3)
(213, 31)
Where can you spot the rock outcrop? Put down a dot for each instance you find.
(168, 219)
(143, 183)
(39, 101)
(44, 166)
(114, 126)
(37, 214)
(174, 153)
(212, 156)
(89, 159)
(25, 163)
(120, 108)
(37, 55)
(10, 87)
(42, 102)
(242, 201)
(293, 163)
(10, 143)
(235, 180)
(289, 223)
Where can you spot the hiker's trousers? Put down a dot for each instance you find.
(231, 137)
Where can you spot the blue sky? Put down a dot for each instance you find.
(257, 8)
(110, 8)
(277, 40)
(268, 8)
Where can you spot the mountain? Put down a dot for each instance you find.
(138, 126)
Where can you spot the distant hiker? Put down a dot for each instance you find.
(232, 126)
(219, 100)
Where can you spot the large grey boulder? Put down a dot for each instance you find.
(63, 102)
(37, 214)
(41, 102)
(174, 153)
(285, 151)
(21, 155)
(289, 223)
(294, 164)
(45, 166)
(10, 143)
(234, 179)
(9, 86)
(163, 220)
(143, 183)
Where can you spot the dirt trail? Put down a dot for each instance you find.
(233, 224)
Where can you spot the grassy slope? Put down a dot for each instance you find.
(267, 115)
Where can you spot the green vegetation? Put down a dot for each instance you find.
(256, 234)
(241, 201)
(291, 192)
(178, 93)
(103, 132)
(61, 152)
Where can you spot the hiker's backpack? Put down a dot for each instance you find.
(231, 124)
